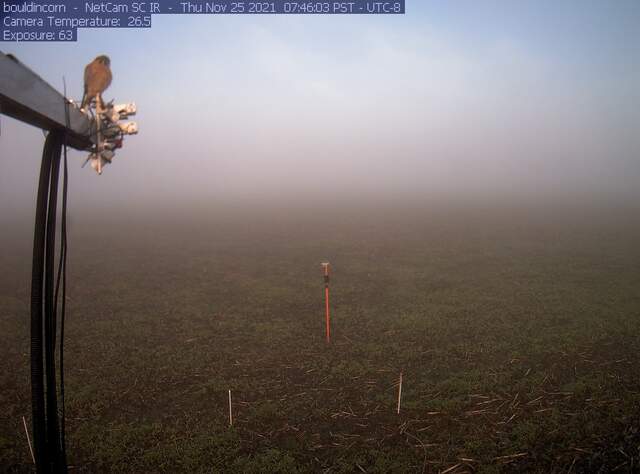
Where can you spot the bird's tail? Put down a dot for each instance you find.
(85, 101)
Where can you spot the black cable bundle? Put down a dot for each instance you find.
(47, 433)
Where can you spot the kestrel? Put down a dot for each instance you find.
(97, 77)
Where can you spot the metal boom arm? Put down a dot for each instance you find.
(25, 96)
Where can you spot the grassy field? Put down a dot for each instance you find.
(517, 331)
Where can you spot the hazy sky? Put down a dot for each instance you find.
(460, 97)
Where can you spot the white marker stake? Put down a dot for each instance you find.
(230, 414)
(24, 422)
(399, 392)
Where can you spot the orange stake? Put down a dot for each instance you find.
(326, 300)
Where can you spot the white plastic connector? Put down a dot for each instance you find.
(125, 110)
(114, 113)
(129, 128)
(97, 163)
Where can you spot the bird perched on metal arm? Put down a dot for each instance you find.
(97, 77)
